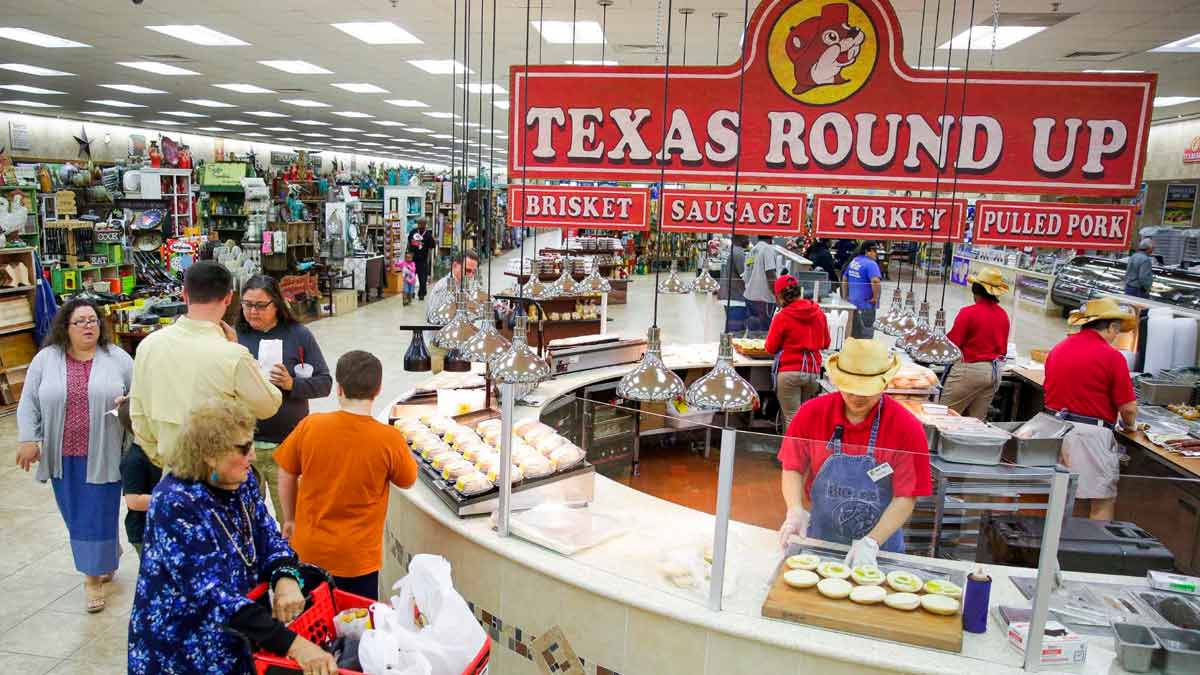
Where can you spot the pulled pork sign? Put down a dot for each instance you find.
(830, 101)
(605, 208)
(1083, 226)
(906, 218)
(771, 213)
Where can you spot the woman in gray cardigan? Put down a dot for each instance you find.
(62, 419)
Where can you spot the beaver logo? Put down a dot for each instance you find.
(822, 51)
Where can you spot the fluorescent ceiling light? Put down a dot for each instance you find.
(245, 88)
(26, 89)
(199, 35)
(1187, 44)
(165, 123)
(288, 140)
(1168, 101)
(503, 105)
(388, 123)
(473, 125)
(360, 87)
(442, 136)
(343, 139)
(440, 115)
(238, 123)
(208, 103)
(102, 113)
(133, 88)
(980, 37)
(349, 130)
(564, 32)
(591, 62)
(280, 129)
(115, 103)
(311, 123)
(296, 67)
(421, 130)
(440, 66)
(157, 68)
(314, 134)
(253, 134)
(213, 129)
(29, 104)
(1114, 70)
(370, 143)
(35, 70)
(180, 113)
(376, 135)
(265, 113)
(479, 88)
(304, 102)
(407, 103)
(32, 37)
(352, 114)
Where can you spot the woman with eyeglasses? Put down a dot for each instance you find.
(64, 428)
(265, 316)
(209, 541)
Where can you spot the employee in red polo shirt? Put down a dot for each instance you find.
(797, 335)
(855, 459)
(981, 332)
(1088, 384)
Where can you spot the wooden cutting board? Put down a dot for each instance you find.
(809, 607)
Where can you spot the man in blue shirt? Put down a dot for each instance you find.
(861, 285)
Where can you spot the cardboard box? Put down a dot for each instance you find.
(344, 301)
(1060, 646)
(1177, 583)
(17, 350)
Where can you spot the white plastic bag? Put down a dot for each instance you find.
(381, 653)
(441, 625)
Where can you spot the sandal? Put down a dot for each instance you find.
(107, 578)
(95, 598)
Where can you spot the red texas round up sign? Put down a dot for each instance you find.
(830, 101)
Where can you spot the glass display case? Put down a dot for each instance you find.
(1087, 276)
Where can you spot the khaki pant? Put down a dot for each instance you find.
(1092, 452)
(969, 388)
(268, 472)
(793, 388)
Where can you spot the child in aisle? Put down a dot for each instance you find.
(334, 517)
(408, 269)
(138, 478)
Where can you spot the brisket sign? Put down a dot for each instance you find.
(830, 101)
(778, 214)
(906, 218)
(1082, 226)
(600, 208)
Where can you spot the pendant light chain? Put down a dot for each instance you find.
(664, 157)
(737, 163)
(961, 111)
(995, 29)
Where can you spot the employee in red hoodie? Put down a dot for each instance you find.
(981, 332)
(797, 335)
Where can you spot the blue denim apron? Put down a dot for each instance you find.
(846, 502)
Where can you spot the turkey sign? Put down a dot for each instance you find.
(830, 101)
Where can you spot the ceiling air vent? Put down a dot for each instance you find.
(1095, 56)
(293, 90)
(166, 58)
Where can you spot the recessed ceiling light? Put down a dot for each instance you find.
(213, 128)
(1187, 44)
(503, 105)
(315, 134)
(165, 123)
(440, 115)
(376, 135)
(208, 103)
(296, 67)
(440, 66)
(1167, 101)
(360, 87)
(157, 68)
(115, 103)
(32, 37)
(133, 88)
(238, 123)
(1113, 70)
(980, 37)
(199, 35)
(253, 134)
(29, 104)
(265, 113)
(566, 32)
(280, 129)
(479, 88)
(304, 102)
(349, 130)
(35, 70)
(245, 88)
(406, 103)
(102, 113)
(180, 113)
(352, 114)
(26, 89)
(388, 123)
(591, 62)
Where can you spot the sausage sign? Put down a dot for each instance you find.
(777, 214)
(830, 101)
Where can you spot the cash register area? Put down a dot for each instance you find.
(43, 625)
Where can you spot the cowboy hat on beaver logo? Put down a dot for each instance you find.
(822, 51)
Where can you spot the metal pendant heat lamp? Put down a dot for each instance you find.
(519, 364)
(565, 285)
(443, 313)
(938, 349)
(722, 389)
(486, 344)
(906, 319)
(888, 323)
(651, 380)
(593, 283)
(673, 284)
(918, 333)
(459, 329)
(534, 289)
(478, 301)
(705, 283)
(416, 358)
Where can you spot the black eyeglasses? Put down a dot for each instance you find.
(245, 448)
(256, 306)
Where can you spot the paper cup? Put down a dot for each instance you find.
(303, 370)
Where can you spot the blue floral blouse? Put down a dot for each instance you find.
(192, 578)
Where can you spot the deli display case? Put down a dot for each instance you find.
(1087, 277)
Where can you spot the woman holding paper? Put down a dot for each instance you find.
(291, 358)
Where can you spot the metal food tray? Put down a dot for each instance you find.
(1151, 598)
(886, 563)
(461, 504)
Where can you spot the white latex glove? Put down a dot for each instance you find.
(862, 552)
(796, 524)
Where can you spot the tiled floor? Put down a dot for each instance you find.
(43, 627)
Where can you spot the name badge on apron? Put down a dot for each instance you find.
(880, 472)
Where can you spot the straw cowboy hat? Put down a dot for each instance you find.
(1104, 308)
(863, 367)
(990, 279)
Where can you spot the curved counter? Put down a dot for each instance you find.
(620, 616)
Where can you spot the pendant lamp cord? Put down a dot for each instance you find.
(523, 136)
(912, 277)
(961, 111)
(942, 151)
(466, 107)
(718, 16)
(574, 16)
(737, 166)
(453, 91)
(485, 207)
(937, 21)
(664, 157)
(686, 14)
(603, 33)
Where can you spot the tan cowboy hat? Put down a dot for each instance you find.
(1104, 308)
(990, 279)
(863, 367)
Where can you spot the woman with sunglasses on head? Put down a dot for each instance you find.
(265, 316)
(209, 541)
(70, 385)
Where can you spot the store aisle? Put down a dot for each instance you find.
(43, 626)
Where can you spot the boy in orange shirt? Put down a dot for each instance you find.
(334, 517)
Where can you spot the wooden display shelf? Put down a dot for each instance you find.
(16, 328)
